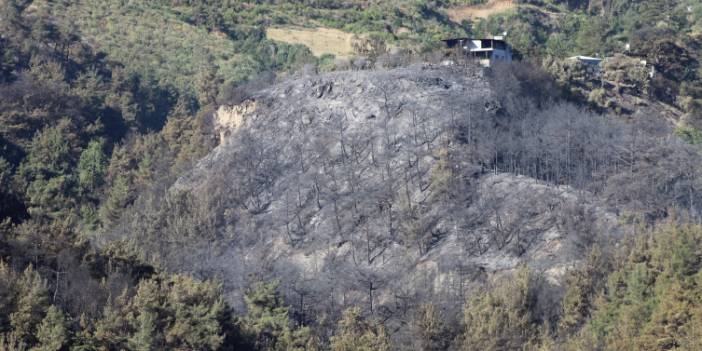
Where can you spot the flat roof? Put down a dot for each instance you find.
(494, 39)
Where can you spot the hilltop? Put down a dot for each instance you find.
(195, 46)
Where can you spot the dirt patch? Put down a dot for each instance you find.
(319, 40)
(403, 30)
(492, 7)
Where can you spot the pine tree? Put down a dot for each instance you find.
(355, 333)
(208, 82)
(185, 135)
(5, 186)
(32, 302)
(10, 342)
(198, 313)
(110, 330)
(430, 328)
(119, 197)
(267, 321)
(92, 167)
(502, 318)
(83, 339)
(144, 339)
(8, 295)
(582, 287)
(47, 172)
(52, 333)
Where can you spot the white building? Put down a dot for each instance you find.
(486, 50)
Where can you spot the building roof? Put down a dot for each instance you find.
(496, 38)
(585, 58)
(453, 42)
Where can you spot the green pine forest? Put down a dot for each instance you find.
(103, 100)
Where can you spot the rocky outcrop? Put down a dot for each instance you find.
(620, 83)
(228, 119)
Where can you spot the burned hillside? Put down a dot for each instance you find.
(382, 189)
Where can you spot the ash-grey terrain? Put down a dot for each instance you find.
(382, 189)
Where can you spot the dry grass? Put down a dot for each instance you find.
(319, 40)
(492, 7)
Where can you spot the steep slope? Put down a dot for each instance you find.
(359, 187)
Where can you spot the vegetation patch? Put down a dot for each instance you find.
(319, 40)
(485, 10)
(151, 39)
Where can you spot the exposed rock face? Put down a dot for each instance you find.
(229, 118)
(358, 188)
